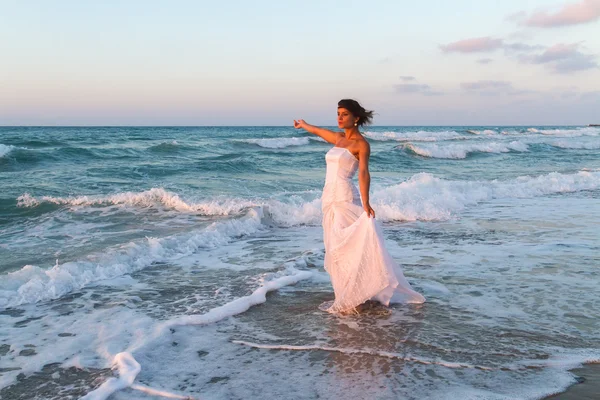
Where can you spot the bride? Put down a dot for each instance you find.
(356, 259)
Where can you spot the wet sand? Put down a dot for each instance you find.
(588, 390)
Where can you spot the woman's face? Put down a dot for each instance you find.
(345, 118)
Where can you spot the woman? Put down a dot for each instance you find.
(360, 267)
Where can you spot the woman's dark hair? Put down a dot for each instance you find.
(365, 117)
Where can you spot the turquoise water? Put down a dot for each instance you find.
(497, 226)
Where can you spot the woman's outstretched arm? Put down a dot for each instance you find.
(364, 177)
(326, 134)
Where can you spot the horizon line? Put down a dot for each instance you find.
(277, 126)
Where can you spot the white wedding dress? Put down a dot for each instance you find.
(356, 259)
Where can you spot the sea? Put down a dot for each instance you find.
(187, 263)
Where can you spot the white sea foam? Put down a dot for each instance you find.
(160, 393)
(278, 143)
(418, 136)
(5, 149)
(379, 353)
(461, 150)
(483, 132)
(32, 284)
(576, 145)
(423, 197)
(562, 358)
(128, 367)
(581, 131)
(89, 335)
(543, 243)
(242, 304)
(165, 365)
(587, 131)
(294, 211)
(149, 198)
(427, 198)
(434, 287)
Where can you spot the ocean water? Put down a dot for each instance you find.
(151, 262)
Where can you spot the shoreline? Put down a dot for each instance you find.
(589, 389)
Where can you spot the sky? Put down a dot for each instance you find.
(194, 63)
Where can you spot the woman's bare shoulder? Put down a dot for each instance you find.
(363, 145)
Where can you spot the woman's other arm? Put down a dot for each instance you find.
(364, 177)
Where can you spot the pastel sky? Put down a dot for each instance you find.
(433, 62)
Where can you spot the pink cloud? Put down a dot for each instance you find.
(474, 45)
(570, 14)
(521, 48)
(564, 58)
(556, 52)
(488, 44)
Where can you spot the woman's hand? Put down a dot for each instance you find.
(299, 124)
(369, 210)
